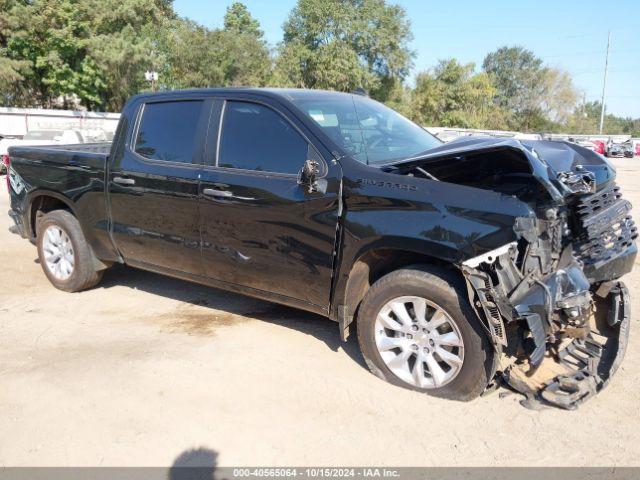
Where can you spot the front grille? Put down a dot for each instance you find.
(604, 227)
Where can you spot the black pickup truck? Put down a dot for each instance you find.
(464, 264)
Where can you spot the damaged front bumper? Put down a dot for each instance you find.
(580, 369)
(553, 304)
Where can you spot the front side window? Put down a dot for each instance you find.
(366, 129)
(255, 137)
(168, 131)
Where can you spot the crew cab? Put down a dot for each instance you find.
(465, 264)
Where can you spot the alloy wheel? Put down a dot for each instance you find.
(58, 252)
(419, 342)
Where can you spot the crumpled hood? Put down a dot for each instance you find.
(565, 156)
(547, 158)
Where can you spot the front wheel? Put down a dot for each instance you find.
(65, 256)
(417, 330)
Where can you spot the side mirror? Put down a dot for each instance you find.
(308, 176)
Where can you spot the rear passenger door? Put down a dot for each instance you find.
(260, 229)
(154, 185)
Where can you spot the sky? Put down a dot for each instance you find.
(568, 34)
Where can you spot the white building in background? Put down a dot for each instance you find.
(448, 134)
(16, 122)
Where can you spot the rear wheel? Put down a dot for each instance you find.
(65, 256)
(417, 330)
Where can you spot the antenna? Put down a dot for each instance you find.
(604, 85)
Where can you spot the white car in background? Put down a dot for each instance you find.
(39, 137)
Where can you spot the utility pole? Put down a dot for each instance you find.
(584, 113)
(604, 85)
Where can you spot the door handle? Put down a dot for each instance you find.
(124, 181)
(212, 192)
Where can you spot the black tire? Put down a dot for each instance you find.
(447, 290)
(84, 274)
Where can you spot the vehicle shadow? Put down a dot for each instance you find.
(196, 464)
(191, 293)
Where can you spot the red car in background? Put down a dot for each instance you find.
(593, 145)
(599, 146)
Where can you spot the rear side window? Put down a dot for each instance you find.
(255, 137)
(168, 131)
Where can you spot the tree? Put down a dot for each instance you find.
(453, 95)
(90, 53)
(558, 97)
(517, 74)
(198, 57)
(125, 43)
(190, 61)
(244, 48)
(238, 20)
(12, 71)
(47, 45)
(534, 97)
(586, 120)
(345, 44)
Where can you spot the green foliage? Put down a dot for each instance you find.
(93, 53)
(12, 71)
(199, 57)
(516, 73)
(190, 62)
(345, 44)
(238, 20)
(533, 96)
(586, 120)
(90, 52)
(452, 94)
(46, 42)
(125, 44)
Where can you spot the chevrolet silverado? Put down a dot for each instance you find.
(464, 265)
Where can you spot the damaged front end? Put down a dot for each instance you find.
(561, 337)
(551, 300)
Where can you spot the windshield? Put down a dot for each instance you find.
(366, 129)
(42, 135)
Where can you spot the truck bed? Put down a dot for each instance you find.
(99, 149)
(90, 156)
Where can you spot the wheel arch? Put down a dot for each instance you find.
(372, 264)
(45, 201)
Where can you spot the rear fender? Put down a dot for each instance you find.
(33, 198)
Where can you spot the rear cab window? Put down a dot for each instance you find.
(168, 131)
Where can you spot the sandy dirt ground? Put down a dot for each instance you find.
(147, 370)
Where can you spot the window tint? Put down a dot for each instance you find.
(255, 137)
(167, 131)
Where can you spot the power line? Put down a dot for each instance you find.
(611, 70)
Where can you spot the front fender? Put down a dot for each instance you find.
(444, 221)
